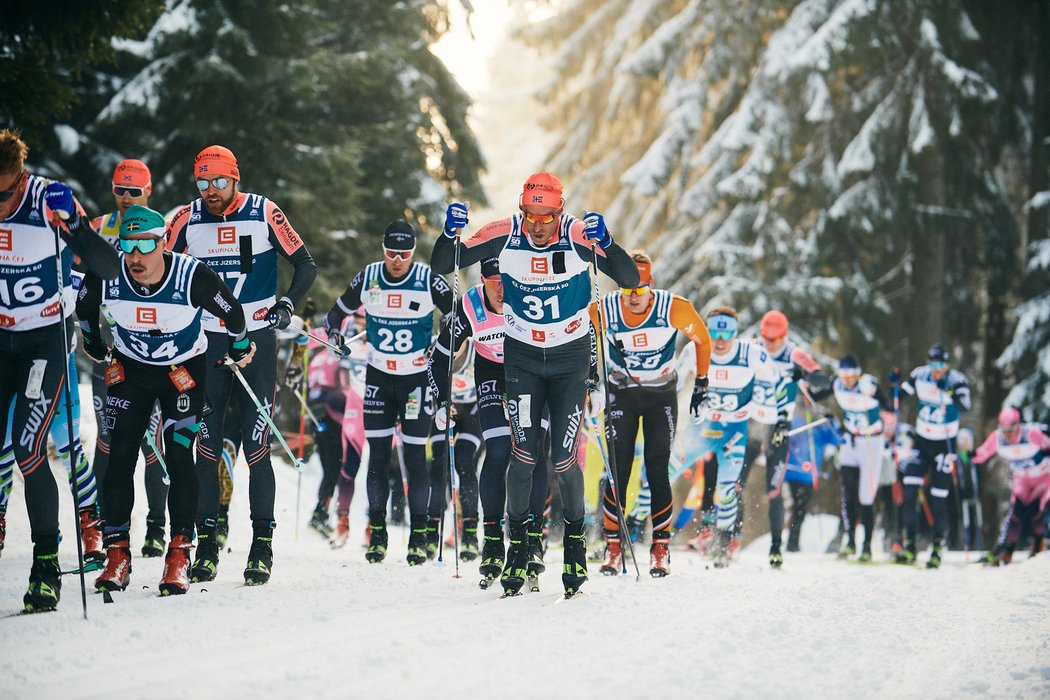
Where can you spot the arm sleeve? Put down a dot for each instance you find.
(486, 242)
(686, 320)
(208, 291)
(176, 232)
(96, 255)
(346, 304)
(440, 358)
(961, 396)
(987, 449)
(89, 302)
(441, 294)
(287, 242)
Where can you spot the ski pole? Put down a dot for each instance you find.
(306, 412)
(448, 418)
(160, 458)
(69, 406)
(344, 351)
(296, 462)
(807, 426)
(399, 448)
(609, 454)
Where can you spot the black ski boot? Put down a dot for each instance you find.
(45, 584)
(720, 548)
(776, 559)
(468, 546)
(934, 562)
(535, 567)
(492, 553)
(206, 561)
(432, 537)
(513, 577)
(153, 545)
(260, 556)
(574, 573)
(907, 554)
(418, 539)
(319, 520)
(377, 537)
(222, 527)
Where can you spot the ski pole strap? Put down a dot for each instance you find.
(296, 462)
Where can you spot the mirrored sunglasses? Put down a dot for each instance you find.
(541, 218)
(121, 190)
(398, 254)
(850, 372)
(937, 364)
(723, 335)
(495, 282)
(6, 194)
(144, 245)
(219, 183)
(634, 291)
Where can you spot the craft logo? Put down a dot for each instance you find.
(227, 235)
(145, 316)
(5, 239)
(641, 340)
(393, 301)
(540, 266)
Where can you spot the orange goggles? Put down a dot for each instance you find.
(494, 282)
(541, 218)
(634, 291)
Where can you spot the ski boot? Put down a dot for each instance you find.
(535, 567)
(222, 527)
(176, 577)
(3, 529)
(45, 583)
(907, 553)
(1037, 546)
(377, 537)
(776, 559)
(865, 554)
(117, 574)
(206, 562)
(319, 520)
(419, 540)
(342, 532)
(153, 544)
(468, 546)
(1001, 555)
(431, 537)
(660, 555)
(574, 574)
(91, 537)
(492, 553)
(720, 549)
(934, 562)
(636, 528)
(848, 550)
(613, 554)
(705, 535)
(260, 556)
(513, 576)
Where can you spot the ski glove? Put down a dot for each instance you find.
(95, 349)
(59, 199)
(280, 314)
(293, 376)
(441, 417)
(455, 219)
(595, 399)
(780, 431)
(594, 229)
(337, 339)
(699, 394)
(240, 349)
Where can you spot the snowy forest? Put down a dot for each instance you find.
(875, 168)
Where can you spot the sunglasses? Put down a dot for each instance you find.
(723, 335)
(219, 183)
(937, 365)
(771, 340)
(496, 282)
(634, 291)
(398, 254)
(6, 194)
(144, 245)
(121, 190)
(541, 219)
(852, 372)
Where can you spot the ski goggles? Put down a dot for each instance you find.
(121, 190)
(494, 282)
(849, 372)
(398, 254)
(219, 183)
(541, 218)
(634, 291)
(722, 327)
(6, 194)
(937, 364)
(723, 335)
(143, 245)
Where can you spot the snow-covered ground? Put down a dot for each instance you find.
(331, 625)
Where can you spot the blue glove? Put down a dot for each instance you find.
(455, 219)
(59, 199)
(594, 228)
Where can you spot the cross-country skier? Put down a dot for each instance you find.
(41, 228)
(240, 236)
(544, 256)
(641, 327)
(399, 296)
(943, 394)
(155, 306)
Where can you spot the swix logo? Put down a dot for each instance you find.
(539, 336)
(540, 266)
(391, 365)
(227, 235)
(721, 375)
(145, 315)
(393, 301)
(34, 421)
(571, 429)
(641, 340)
(5, 239)
(259, 429)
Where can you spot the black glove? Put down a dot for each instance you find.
(780, 431)
(797, 373)
(280, 314)
(699, 394)
(239, 349)
(94, 347)
(337, 339)
(293, 376)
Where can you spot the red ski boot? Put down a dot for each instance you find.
(117, 574)
(613, 556)
(176, 578)
(91, 536)
(659, 558)
(341, 534)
